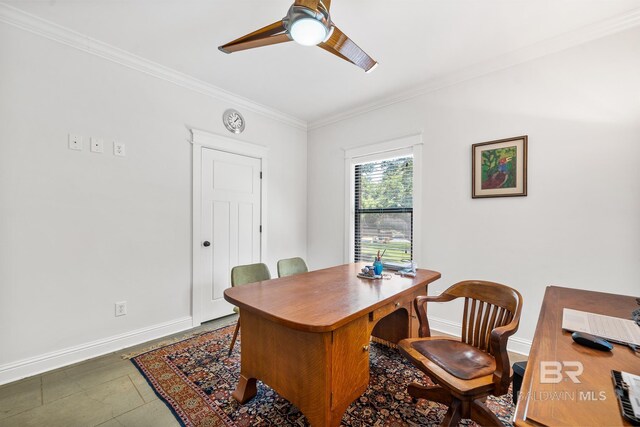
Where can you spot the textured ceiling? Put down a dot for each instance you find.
(415, 41)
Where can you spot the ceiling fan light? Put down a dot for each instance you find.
(308, 31)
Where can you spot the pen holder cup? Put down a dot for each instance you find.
(377, 268)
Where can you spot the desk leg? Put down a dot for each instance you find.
(246, 389)
(294, 363)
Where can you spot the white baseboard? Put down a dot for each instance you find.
(56, 359)
(36, 365)
(516, 345)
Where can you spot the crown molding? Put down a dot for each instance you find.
(28, 22)
(60, 34)
(546, 47)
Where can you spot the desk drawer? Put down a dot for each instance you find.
(383, 311)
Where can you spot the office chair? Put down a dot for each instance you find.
(242, 275)
(469, 369)
(291, 266)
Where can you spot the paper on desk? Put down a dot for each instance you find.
(612, 328)
(633, 381)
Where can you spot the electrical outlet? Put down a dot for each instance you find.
(121, 308)
(75, 142)
(97, 145)
(118, 149)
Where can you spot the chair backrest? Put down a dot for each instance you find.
(487, 305)
(291, 266)
(243, 274)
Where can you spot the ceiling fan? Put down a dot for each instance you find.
(309, 23)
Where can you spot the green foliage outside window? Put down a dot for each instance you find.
(387, 184)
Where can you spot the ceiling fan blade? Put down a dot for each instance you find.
(311, 4)
(265, 36)
(342, 46)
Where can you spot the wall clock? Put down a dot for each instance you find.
(233, 120)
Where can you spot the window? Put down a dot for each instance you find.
(381, 206)
(383, 216)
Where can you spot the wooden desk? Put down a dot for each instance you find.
(307, 336)
(568, 403)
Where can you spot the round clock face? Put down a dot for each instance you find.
(233, 121)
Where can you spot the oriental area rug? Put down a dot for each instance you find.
(195, 378)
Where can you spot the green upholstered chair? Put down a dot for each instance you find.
(291, 266)
(241, 275)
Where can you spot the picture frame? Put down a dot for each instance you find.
(499, 168)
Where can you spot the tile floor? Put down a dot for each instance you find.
(107, 391)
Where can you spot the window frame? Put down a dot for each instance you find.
(398, 147)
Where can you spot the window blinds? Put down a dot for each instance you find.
(384, 210)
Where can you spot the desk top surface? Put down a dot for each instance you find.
(592, 401)
(323, 300)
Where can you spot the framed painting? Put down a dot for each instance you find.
(499, 168)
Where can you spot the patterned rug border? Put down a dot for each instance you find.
(132, 354)
(160, 397)
(223, 417)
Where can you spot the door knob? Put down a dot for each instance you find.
(206, 244)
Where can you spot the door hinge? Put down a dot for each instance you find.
(331, 400)
(261, 229)
(260, 174)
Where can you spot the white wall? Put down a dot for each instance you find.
(580, 224)
(80, 231)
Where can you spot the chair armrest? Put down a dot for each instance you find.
(420, 305)
(499, 339)
(434, 298)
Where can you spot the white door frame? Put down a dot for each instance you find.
(202, 139)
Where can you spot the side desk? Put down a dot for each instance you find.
(592, 401)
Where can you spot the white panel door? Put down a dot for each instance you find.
(230, 223)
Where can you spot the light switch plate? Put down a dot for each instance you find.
(75, 142)
(119, 149)
(97, 145)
